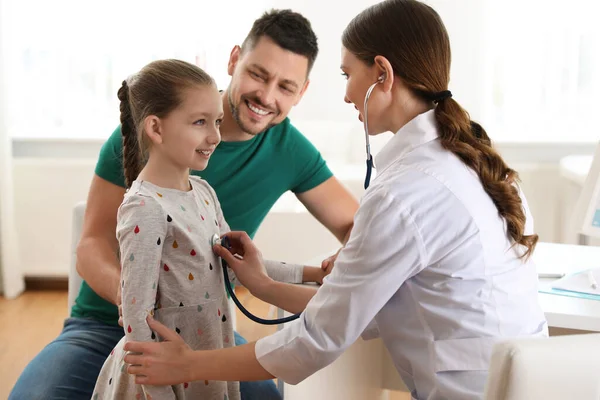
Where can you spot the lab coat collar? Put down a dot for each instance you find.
(418, 131)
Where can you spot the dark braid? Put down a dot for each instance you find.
(131, 146)
(469, 141)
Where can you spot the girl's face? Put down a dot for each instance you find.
(190, 133)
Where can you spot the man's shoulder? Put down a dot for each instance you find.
(110, 160)
(285, 128)
(284, 133)
(113, 146)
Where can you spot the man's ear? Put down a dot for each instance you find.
(302, 91)
(234, 57)
(153, 129)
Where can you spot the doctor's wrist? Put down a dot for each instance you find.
(263, 287)
(194, 370)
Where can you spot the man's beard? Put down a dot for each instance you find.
(235, 113)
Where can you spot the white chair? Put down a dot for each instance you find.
(75, 280)
(555, 368)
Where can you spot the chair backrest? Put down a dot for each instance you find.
(74, 279)
(559, 367)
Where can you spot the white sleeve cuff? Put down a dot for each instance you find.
(282, 272)
(275, 353)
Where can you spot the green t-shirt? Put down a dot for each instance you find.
(248, 177)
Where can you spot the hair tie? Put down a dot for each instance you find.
(440, 96)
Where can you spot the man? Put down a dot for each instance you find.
(261, 156)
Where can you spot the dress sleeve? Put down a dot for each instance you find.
(141, 231)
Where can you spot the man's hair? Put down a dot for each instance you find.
(290, 30)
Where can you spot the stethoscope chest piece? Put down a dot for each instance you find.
(215, 239)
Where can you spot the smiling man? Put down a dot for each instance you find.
(261, 156)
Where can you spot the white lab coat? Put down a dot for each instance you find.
(429, 267)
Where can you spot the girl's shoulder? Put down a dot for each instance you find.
(203, 188)
(140, 200)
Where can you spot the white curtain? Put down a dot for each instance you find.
(11, 278)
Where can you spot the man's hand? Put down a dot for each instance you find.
(328, 263)
(118, 302)
(313, 274)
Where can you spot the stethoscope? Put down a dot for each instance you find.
(366, 126)
(225, 243)
(215, 239)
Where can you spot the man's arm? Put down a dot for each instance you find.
(97, 260)
(333, 206)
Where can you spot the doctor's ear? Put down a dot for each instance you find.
(386, 72)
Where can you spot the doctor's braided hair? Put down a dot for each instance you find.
(413, 38)
(155, 90)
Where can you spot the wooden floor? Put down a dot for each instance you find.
(35, 318)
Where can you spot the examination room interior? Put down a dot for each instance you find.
(527, 70)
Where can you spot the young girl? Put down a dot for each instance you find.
(170, 117)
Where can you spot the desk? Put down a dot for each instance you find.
(561, 311)
(366, 370)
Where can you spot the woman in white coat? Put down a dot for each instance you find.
(438, 260)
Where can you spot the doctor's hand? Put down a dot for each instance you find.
(249, 267)
(160, 363)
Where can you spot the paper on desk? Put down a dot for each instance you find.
(579, 282)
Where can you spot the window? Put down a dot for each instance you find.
(66, 60)
(527, 69)
(544, 60)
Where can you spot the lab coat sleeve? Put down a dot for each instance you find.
(384, 250)
(371, 331)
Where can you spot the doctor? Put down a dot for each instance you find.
(438, 260)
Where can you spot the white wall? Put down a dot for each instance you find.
(46, 189)
(11, 280)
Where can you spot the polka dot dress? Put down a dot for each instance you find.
(168, 270)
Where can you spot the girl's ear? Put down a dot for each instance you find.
(153, 129)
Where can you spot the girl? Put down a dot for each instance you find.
(170, 117)
(439, 256)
